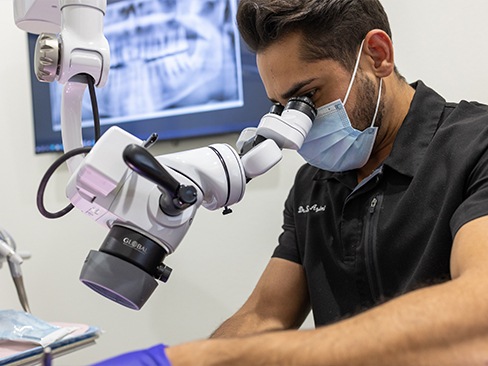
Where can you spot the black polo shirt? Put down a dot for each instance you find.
(392, 233)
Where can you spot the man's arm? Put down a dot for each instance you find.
(278, 302)
(445, 324)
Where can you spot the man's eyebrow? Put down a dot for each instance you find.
(293, 91)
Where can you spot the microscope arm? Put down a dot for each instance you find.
(37, 16)
(71, 47)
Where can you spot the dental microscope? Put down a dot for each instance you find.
(146, 202)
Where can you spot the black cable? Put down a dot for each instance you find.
(45, 180)
(94, 104)
(227, 210)
(67, 156)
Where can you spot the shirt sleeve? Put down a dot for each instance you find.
(475, 204)
(287, 247)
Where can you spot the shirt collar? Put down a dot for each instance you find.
(417, 130)
(412, 139)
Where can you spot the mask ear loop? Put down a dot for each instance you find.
(377, 103)
(356, 66)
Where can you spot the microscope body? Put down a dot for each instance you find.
(145, 225)
(107, 190)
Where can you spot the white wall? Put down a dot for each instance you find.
(443, 42)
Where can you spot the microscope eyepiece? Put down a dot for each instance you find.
(302, 104)
(276, 108)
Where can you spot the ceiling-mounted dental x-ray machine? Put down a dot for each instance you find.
(148, 203)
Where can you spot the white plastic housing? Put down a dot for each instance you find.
(71, 131)
(217, 169)
(84, 48)
(288, 130)
(79, 23)
(261, 158)
(246, 135)
(38, 16)
(104, 188)
(101, 176)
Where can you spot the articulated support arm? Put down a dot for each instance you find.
(71, 47)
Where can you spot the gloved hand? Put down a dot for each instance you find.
(154, 356)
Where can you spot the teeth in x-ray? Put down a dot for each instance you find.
(147, 44)
(157, 60)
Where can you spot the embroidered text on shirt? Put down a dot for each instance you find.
(311, 208)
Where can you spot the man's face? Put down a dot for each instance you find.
(285, 75)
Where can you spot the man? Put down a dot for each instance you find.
(385, 233)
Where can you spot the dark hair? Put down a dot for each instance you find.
(331, 29)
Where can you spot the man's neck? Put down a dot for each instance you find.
(397, 104)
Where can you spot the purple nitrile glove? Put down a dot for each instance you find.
(154, 356)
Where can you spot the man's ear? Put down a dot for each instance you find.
(379, 47)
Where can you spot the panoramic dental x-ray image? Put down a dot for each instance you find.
(167, 57)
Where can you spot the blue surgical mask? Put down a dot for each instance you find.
(332, 143)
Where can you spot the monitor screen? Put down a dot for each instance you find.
(177, 68)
